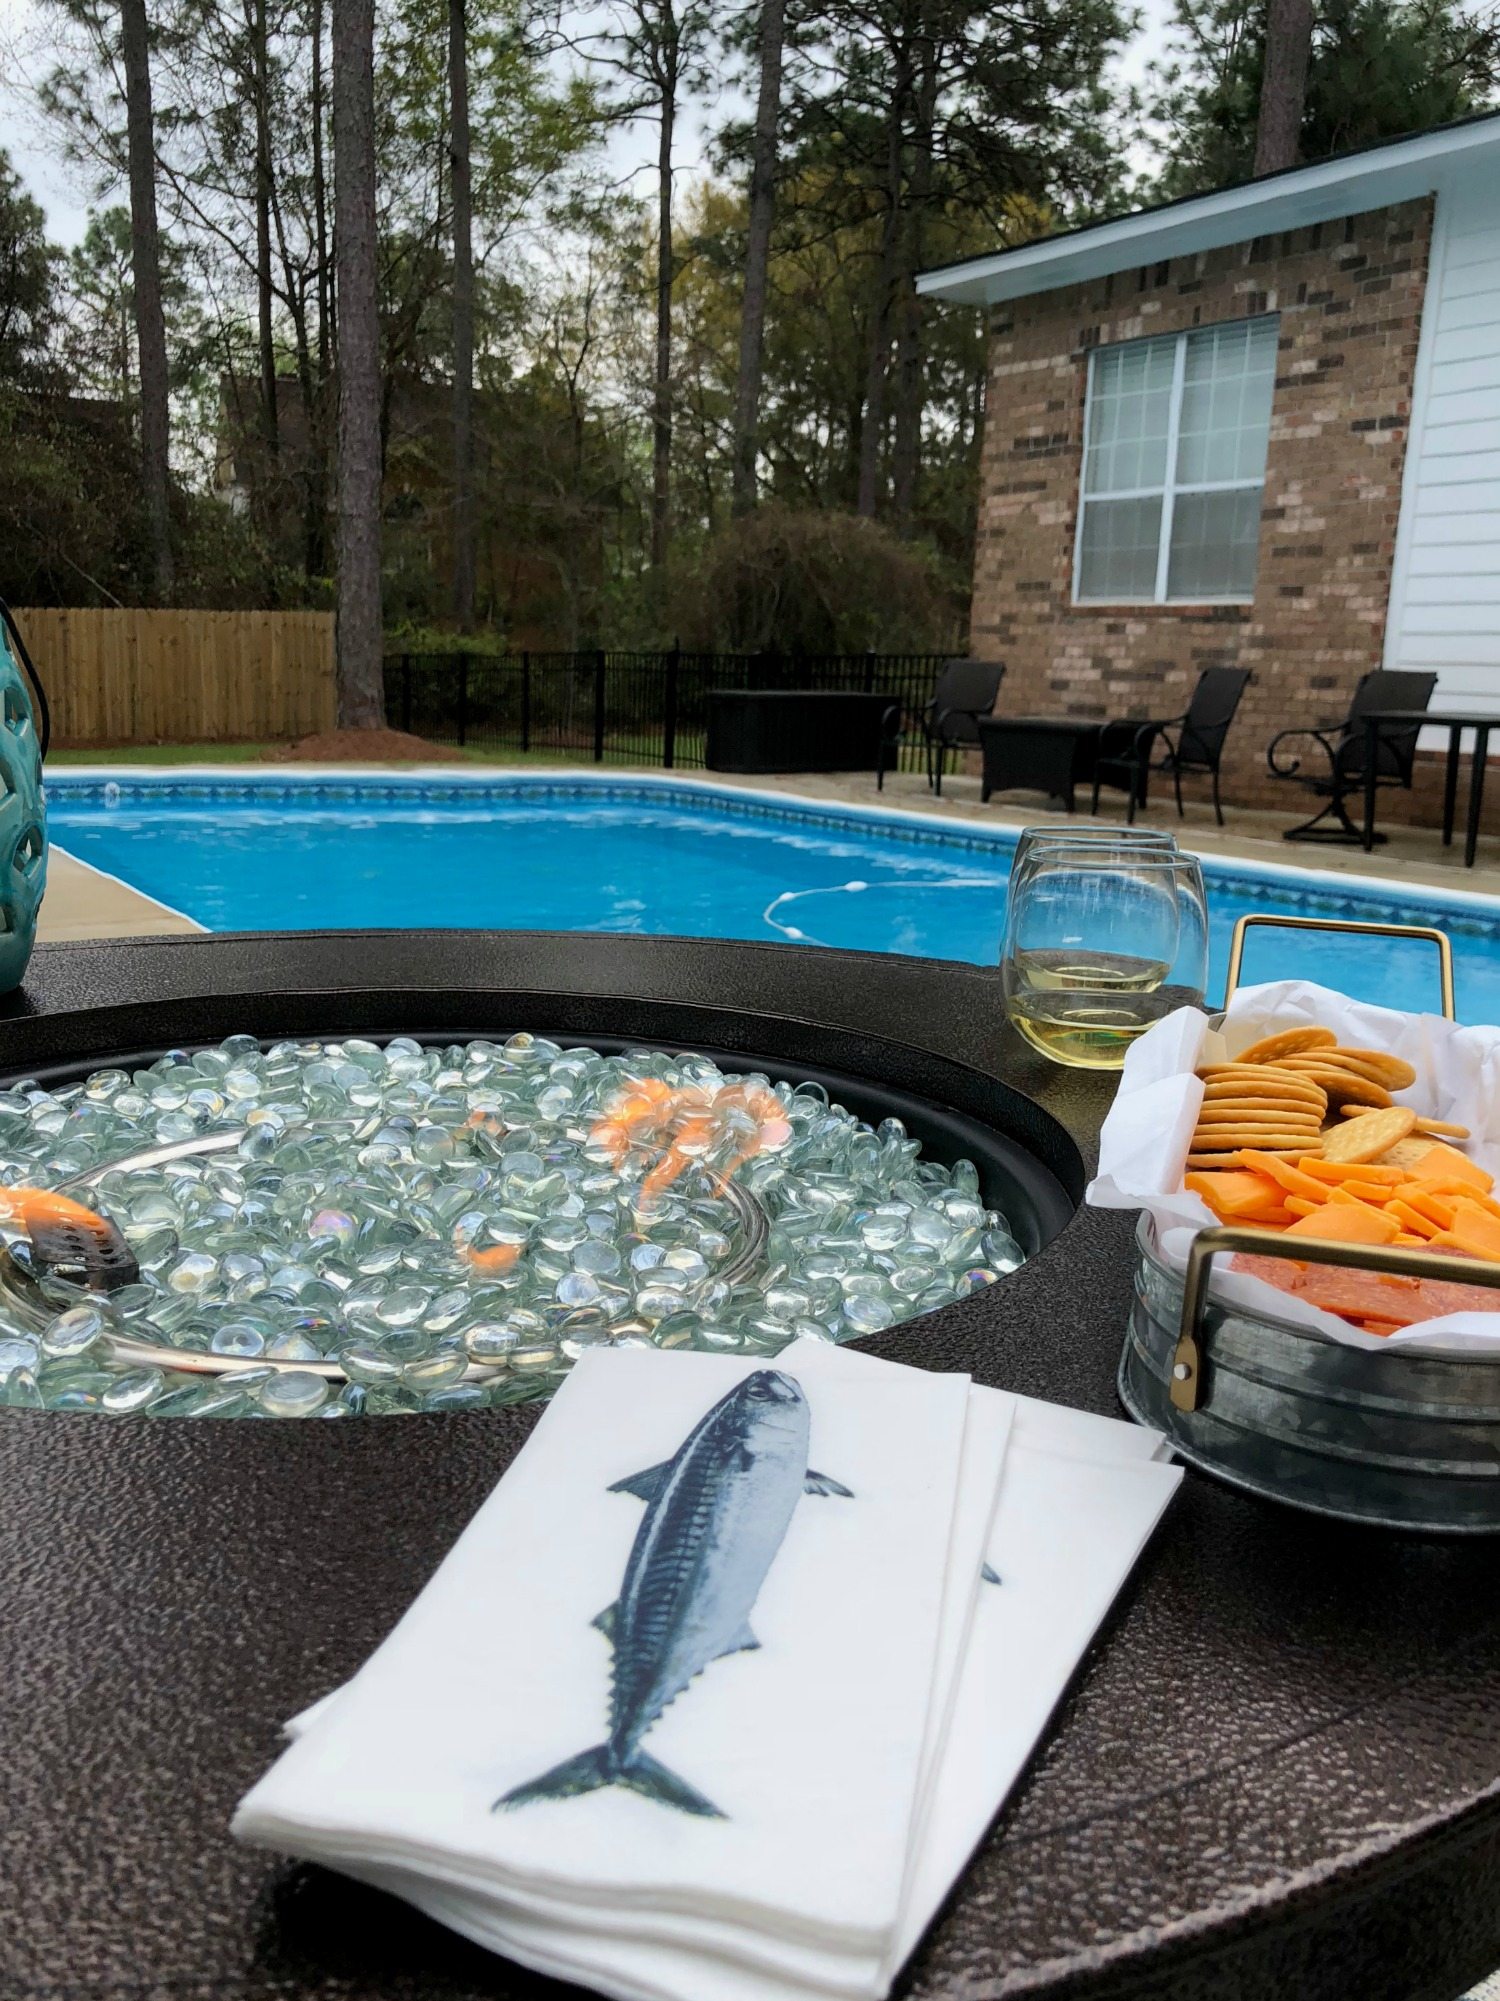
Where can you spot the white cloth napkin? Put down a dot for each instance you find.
(651, 1902)
(1143, 1146)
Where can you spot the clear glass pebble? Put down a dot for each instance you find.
(294, 1393)
(74, 1332)
(136, 1389)
(239, 1338)
(411, 1212)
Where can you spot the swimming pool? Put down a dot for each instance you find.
(662, 856)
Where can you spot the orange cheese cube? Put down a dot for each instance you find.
(1284, 1174)
(1340, 1170)
(1411, 1219)
(1348, 1223)
(1354, 1190)
(1416, 1196)
(1446, 1163)
(1236, 1194)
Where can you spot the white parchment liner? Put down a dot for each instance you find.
(1144, 1144)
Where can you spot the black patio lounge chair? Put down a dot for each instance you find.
(965, 691)
(1192, 742)
(1343, 744)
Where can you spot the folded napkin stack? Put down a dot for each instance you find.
(733, 1669)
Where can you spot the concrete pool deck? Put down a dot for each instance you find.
(1412, 856)
(84, 902)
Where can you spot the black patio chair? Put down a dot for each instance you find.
(1343, 744)
(964, 694)
(1193, 742)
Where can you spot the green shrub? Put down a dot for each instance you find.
(807, 581)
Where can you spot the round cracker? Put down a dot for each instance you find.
(1350, 1067)
(1234, 1139)
(1219, 1095)
(1343, 1087)
(1293, 1153)
(1290, 1042)
(1378, 1065)
(1368, 1138)
(1258, 1079)
(1439, 1128)
(1261, 1115)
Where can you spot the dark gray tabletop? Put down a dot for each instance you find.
(1457, 719)
(1062, 725)
(1277, 1775)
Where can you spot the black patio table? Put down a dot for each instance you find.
(1048, 754)
(1455, 721)
(1276, 1776)
(796, 729)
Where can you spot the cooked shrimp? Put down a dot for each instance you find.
(749, 1118)
(498, 1259)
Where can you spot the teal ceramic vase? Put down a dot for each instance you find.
(23, 821)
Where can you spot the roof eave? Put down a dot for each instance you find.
(1378, 178)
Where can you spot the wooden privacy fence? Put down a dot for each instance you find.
(117, 677)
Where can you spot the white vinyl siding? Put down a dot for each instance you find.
(1174, 460)
(1445, 587)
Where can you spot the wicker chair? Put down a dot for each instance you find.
(1343, 745)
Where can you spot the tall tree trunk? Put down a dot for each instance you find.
(757, 255)
(361, 694)
(150, 326)
(261, 86)
(1283, 84)
(320, 200)
(463, 324)
(316, 520)
(666, 271)
(872, 421)
(906, 449)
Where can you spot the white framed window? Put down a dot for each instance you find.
(1174, 459)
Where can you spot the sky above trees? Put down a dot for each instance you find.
(27, 32)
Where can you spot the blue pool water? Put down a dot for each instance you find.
(610, 855)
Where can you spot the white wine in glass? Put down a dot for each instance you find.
(1092, 950)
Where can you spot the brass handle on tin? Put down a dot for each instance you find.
(1185, 1380)
(1438, 938)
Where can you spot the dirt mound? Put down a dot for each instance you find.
(369, 747)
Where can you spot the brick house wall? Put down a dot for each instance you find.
(1350, 298)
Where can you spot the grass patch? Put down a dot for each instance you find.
(168, 753)
(622, 751)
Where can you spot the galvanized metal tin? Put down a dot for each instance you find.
(1406, 1440)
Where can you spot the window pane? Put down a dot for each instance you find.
(1130, 396)
(1227, 378)
(1214, 542)
(1117, 551)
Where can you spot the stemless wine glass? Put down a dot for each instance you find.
(1101, 940)
(1033, 840)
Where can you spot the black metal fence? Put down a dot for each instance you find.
(609, 707)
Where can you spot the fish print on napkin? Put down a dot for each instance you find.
(716, 1514)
